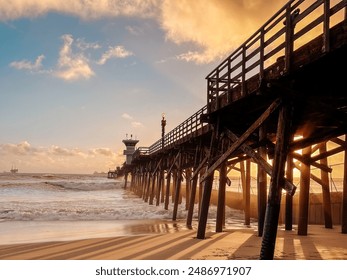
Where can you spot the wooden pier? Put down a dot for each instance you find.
(277, 101)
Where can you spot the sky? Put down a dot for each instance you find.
(77, 77)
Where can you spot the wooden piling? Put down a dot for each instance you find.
(344, 194)
(289, 198)
(304, 195)
(220, 219)
(283, 137)
(125, 180)
(188, 186)
(261, 183)
(167, 191)
(206, 195)
(177, 189)
(152, 190)
(328, 220)
(192, 201)
(159, 186)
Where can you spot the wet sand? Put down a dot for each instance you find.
(240, 244)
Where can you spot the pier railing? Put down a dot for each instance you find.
(291, 27)
(185, 130)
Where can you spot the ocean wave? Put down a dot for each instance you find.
(85, 198)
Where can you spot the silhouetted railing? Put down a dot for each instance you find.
(278, 37)
(186, 129)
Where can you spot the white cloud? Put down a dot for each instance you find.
(213, 28)
(137, 124)
(133, 122)
(127, 116)
(74, 62)
(114, 52)
(59, 151)
(72, 66)
(103, 151)
(83, 45)
(22, 148)
(28, 65)
(57, 159)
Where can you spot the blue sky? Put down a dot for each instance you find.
(77, 76)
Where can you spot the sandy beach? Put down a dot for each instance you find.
(239, 244)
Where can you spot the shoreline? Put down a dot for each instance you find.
(232, 244)
(22, 232)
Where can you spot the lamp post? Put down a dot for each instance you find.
(163, 124)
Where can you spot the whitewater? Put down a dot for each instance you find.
(47, 207)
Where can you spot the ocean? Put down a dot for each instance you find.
(53, 207)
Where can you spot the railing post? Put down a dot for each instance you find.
(208, 96)
(217, 89)
(243, 82)
(261, 54)
(289, 38)
(326, 26)
(229, 81)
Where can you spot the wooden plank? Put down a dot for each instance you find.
(327, 154)
(157, 167)
(174, 162)
(313, 163)
(243, 138)
(200, 166)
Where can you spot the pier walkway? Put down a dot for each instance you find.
(279, 101)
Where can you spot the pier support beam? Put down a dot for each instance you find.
(188, 186)
(304, 197)
(246, 189)
(207, 189)
(220, 219)
(152, 191)
(325, 189)
(159, 186)
(206, 195)
(178, 188)
(167, 191)
(277, 181)
(126, 180)
(261, 183)
(289, 198)
(344, 193)
(192, 201)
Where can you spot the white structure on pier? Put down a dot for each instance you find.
(130, 148)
